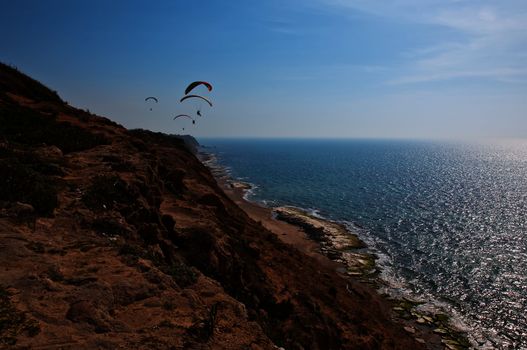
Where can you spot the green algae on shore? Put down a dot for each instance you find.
(439, 323)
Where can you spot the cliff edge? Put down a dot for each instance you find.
(111, 238)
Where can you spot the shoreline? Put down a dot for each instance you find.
(333, 245)
(238, 192)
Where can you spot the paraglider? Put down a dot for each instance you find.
(191, 87)
(197, 83)
(151, 98)
(196, 96)
(197, 100)
(185, 115)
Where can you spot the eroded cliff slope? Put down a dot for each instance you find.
(111, 238)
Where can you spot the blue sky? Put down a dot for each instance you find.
(311, 68)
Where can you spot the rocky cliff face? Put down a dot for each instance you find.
(112, 238)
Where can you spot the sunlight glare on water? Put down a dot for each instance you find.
(450, 218)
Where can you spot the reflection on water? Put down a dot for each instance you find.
(451, 218)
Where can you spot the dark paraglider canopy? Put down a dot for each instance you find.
(196, 96)
(197, 83)
(186, 116)
(183, 115)
(151, 98)
(197, 99)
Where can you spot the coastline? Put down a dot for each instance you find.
(333, 245)
(135, 224)
(238, 192)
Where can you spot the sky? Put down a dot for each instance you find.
(283, 68)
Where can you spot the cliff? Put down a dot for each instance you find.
(113, 238)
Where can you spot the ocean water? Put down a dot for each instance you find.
(449, 220)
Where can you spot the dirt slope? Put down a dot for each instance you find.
(112, 238)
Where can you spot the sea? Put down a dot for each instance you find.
(448, 220)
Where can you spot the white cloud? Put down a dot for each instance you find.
(489, 38)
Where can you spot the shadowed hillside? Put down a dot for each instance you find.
(122, 239)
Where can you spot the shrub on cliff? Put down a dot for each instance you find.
(29, 127)
(20, 183)
(106, 192)
(159, 138)
(182, 274)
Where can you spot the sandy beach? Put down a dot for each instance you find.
(333, 245)
(288, 233)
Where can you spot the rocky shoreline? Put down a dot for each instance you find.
(337, 243)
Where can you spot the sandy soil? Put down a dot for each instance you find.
(287, 233)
